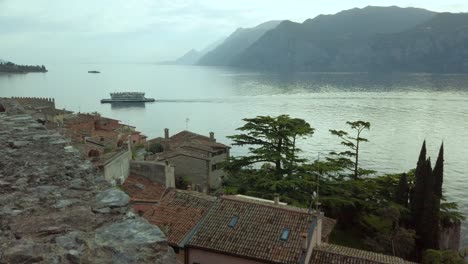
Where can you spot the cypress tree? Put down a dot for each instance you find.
(402, 192)
(427, 228)
(417, 199)
(438, 176)
(439, 173)
(425, 204)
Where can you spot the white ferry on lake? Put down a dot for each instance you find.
(130, 97)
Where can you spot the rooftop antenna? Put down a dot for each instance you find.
(318, 183)
(187, 120)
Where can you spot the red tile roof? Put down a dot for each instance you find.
(141, 189)
(333, 254)
(178, 213)
(257, 232)
(187, 138)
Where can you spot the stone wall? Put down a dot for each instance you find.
(193, 169)
(158, 172)
(450, 237)
(57, 208)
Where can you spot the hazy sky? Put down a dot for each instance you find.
(41, 31)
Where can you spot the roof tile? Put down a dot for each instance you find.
(257, 232)
(141, 189)
(334, 254)
(178, 213)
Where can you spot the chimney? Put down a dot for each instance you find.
(212, 136)
(304, 242)
(276, 198)
(166, 133)
(189, 187)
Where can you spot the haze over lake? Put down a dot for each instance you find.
(404, 109)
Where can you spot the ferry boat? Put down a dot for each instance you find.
(127, 97)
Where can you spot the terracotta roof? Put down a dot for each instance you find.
(141, 189)
(178, 213)
(256, 235)
(334, 254)
(102, 141)
(80, 118)
(185, 138)
(170, 154)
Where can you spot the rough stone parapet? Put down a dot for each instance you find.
(57, 208)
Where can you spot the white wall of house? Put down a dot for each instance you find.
(117, 169)
(207, 257)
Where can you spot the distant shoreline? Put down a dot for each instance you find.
(10, 67)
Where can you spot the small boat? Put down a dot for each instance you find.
(127, 97)
(94, 72)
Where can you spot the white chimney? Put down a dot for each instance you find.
(276, 198)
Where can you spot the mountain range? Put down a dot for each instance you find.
(356, 40)
(236, 44)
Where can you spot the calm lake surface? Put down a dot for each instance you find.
(403, 109)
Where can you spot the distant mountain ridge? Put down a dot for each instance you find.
(235, 44)
(340, 42)
(356, 40)
(193, 55)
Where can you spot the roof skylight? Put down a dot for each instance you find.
(233, 221)
(285, 234)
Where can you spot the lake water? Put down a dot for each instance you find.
(403, 109)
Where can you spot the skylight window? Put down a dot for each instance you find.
(233, 221)
(285, 234)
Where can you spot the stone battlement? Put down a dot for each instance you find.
(56, 207)
(45, 99)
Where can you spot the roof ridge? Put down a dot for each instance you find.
(194, 194)
(265, 204)
(358, 257)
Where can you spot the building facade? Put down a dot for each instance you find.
(197, 158)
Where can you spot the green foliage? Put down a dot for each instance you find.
(402, 191)
(349, 159)
(108, 149)
(182, 183)
(426, 203)
(396, 214)
(442, 257)
(271, 139)
(156, 148)
(449, 214)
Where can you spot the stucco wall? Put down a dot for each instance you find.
(206, 257)
(118, 168)
(216, 175)
(158, 172)
(193, 169)
(316, 238)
